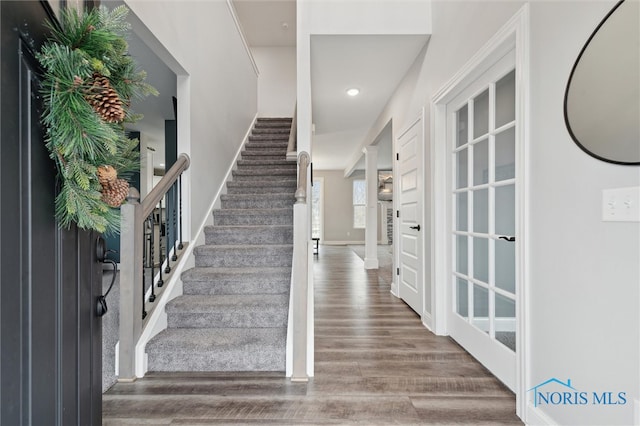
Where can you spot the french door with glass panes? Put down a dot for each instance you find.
(482, 281)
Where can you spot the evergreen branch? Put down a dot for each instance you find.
(79, 55)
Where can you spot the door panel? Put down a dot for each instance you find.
(50, 337)
(482, 281)
(410, 202)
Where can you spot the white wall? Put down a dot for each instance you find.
(338, 209)
(277, 80)
(203, 39)
(585, 273)
(584, 297)
(348, 17)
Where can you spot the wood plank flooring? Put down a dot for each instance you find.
(375, 364)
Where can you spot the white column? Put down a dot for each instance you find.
(371, 219)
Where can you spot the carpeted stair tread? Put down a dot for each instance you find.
(253, 217)
(254, 146)
(225, 197)
(263, 173)
(271, 131)
(273, 125)
(231, 256)
(197, 303)
(276, 188)
(285, 181)
(248, 234)
(266, 280)
(264, 154)
(274, 119)
(269, 138)
(233, 274)
(231, 310)
(257, 201)
(223, 349)
(260, 162)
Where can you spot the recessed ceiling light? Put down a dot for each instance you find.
(353, 92)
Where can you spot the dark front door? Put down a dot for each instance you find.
(50, 337)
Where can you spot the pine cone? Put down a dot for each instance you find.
(104, 100)
(107, 175)
(115, 193)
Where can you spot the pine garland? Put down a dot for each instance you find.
(88, 84)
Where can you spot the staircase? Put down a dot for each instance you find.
(232, 315)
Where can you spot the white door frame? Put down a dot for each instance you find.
(514, 34)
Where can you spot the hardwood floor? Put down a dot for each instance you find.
(375, 364)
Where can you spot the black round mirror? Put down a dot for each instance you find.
(602, 99)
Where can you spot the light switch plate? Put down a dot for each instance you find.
(621, 204)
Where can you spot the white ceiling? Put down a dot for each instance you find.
(375, 64)
(267, 22)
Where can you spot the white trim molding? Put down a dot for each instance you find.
(514, 34)
(234, 15)
(535, 416)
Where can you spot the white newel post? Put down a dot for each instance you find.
(371, 219)
(300, 272)
(130, 284)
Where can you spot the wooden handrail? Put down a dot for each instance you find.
(293, 135)
(153, 198)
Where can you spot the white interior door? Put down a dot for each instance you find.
(482, 279)
(410, 197)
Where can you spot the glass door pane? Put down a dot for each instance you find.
(484, 210)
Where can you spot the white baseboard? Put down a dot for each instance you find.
(371, 263)
(341, 243)
(394, 287)
(347, 243)
(535, 416)
(427, 321)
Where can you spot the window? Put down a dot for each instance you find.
(359, 203)
(317, 195)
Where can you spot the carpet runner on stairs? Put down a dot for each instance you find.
(232, 315)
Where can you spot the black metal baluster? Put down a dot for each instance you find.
(152, 249)
(167, 233)
(180, 246)
(160, 280)
(145, 260)
(174, 223)
(144, 273)
(152, 297)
